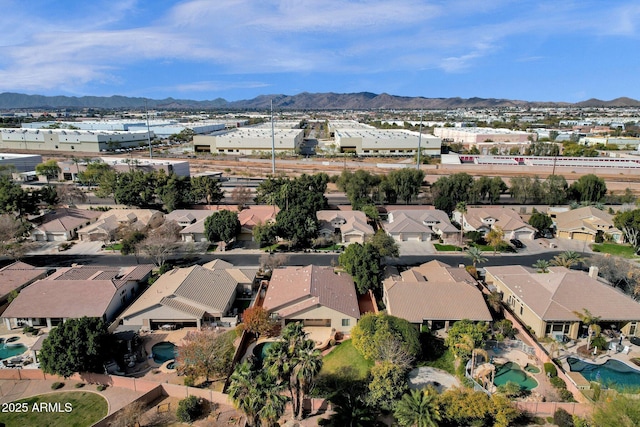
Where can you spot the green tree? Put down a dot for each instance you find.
(525, 189)
(13, 199)
(49, 169)
(542, 266)
(554, 190)
(620, 411)
(297, 225)
(359, 186)
(189, 409)
(362, 262)
(374, 332)
(175, 192)
(351, 411)
(540, 221)
(567, 259)
(78, 345)
(462, 208)
(93, 173)
(475, 255)
(419, 408)
(407, 183)
(588, 188)
(265, 234)
(388, 382)
(472, 334)
(222, 225)
(449, 190)
(385, 244)
(629, 223)
(207, 189)
(495, 238)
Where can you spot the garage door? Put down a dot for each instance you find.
(520, 235)
(583, 237)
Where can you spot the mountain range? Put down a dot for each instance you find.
(302, 101)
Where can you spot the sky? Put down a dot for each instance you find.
(239, 49)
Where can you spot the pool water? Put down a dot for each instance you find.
(532, 369)
(11, 350)
(171, 365)
(511, 371)
(613, 373)
(260, 350)
(163, 351)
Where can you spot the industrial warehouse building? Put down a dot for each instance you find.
(364, 140)
(72, 140)
(250, 141)
(471, 136)
(20, 162)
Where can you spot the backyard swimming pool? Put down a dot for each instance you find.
(11, 350)
(260, 350)
(511, 371)
(163, 351)
(612, 373)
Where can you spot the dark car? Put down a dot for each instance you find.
(517, 243)
(635, 340)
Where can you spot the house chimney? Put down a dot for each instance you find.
(593, 271)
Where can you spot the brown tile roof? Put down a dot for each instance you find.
(65, 219)
(557, 294)
(418, 221)
(248, 217)
(435, 291)
(506, 218)
(74, 292)
(353, 221)
(17, 275)
(293, 289)
(588, 218)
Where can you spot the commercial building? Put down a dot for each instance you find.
(471, 136)
(249, 141)
(20, 163)
(72, 140)
(69, 170)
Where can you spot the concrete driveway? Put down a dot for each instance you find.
(416, 248)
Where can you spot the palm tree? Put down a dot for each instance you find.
(542, 266)
(351, 411)
(495, 237)
(243, 393)
(309, 364)
(462, 208)
(273, 402)
(418, 409)
(475, 255)
(567, 259)
(494, 299)
(591, 321)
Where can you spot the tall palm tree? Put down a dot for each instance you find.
(273, 402)
(475, 255)
(309, 363)
(418, 409)
(567, 259)
(542, 266)
(591, 321)
(243, 393)
(462, 208)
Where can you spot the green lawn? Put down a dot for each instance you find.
(446, 248)
(86, 409)
(345, 356)
(436, 354)
(114, 247)
(625, 251)
(333, 247)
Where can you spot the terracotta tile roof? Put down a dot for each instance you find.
(435, 291)
(557, 294)
(248, 217)
(293, 289)
(352, 221)
(18, 274)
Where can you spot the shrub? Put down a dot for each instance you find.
(57, 385)
(332, 342)
(599, 342)
(28, 330)
(101, 387)
(323, 421)
(189, 409)
(550, 369)
(189, 381)
(558, 382)
(79, 385)
(562, 418)
(566, 395)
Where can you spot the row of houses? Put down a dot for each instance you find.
(418, 223)
(433, 294)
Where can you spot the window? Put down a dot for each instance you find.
(521, 309)
(346, 322)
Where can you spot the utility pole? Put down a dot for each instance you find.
(148, 131)
(273, 144)
(419, 142)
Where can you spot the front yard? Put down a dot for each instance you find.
(625, 251)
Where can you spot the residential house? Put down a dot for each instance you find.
(586, 224)
(347, 226)
(483, 219)
(434, 294)
(192, 297)
(62, 224)
(73, 292)
(248, 217)
(420, 225)
(15, 277)
(548, 302)
(313, 295)
(111, 221)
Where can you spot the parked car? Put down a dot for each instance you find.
(635, 340)
(517, 243)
